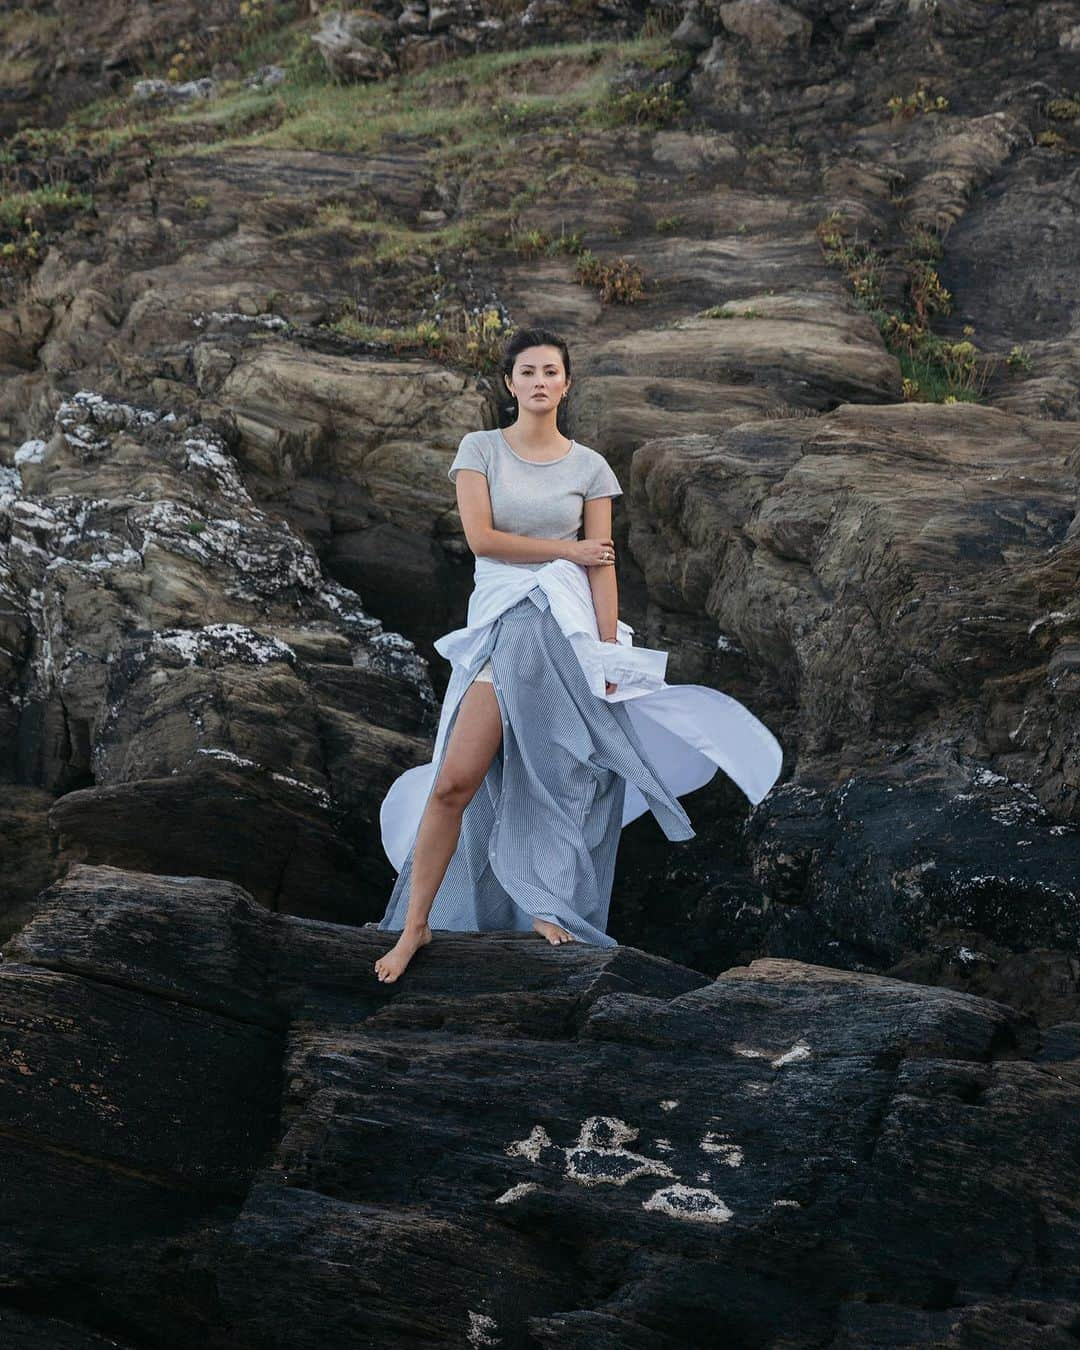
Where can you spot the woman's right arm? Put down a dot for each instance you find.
(474, 507)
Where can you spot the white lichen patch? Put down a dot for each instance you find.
(86, 407)
(224, 641)
(695, 1205)
(10, 486)
(794, 1204)
(320, 794)
(987, 777)
(725, 1150)
(663, 1145)
(516, 1192)
(482, 1330)
(345, 604)
(598, 1156)
(1055, 616)
(606, 1132)
(30, 452)
(669, 1104)
(800, 1050)
(611, 1167)
(214, 753)
(272, 321)
(531, 1146)
(212, 457)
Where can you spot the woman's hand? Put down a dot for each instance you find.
(591, 552)
(610, 688)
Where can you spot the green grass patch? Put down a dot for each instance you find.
(461, 103)
(41, 207)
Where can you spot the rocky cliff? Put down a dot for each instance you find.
(814, 262)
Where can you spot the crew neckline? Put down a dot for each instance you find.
(540, 463)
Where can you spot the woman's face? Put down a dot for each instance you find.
(538, 381)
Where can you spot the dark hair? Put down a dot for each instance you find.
(515, 344)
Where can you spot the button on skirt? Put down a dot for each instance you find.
(540, 835)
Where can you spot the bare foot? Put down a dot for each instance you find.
(552, 932)
(389, 966)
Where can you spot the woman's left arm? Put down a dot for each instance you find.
(596, 524)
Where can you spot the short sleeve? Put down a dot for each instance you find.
(603, 482)
(472, 454)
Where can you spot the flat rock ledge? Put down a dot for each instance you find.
(220, 1130)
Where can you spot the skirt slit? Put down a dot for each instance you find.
(540, 835)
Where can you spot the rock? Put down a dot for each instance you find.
(566, 1112)
(413, 19)
(441, 17)
(166, 91)
(875, 870)
(766, 24)
(189, 662)
(266, 77)
(693, 33)
(687, 151)
(809, 553)
(350, 44)
(301, 413)
(27, 854)
(813, 349)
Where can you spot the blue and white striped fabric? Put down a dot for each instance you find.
(539, 838)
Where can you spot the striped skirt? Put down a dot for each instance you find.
(540, 835)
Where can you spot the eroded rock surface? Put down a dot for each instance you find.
(549, 1146)
(192, 684)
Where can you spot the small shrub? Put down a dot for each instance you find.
(530, 243)
(1064, 109)
(1051, 139)
(656, 107)
(619, 281)
(904, 108)
(1018, 359)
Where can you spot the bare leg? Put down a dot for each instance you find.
(472, 746)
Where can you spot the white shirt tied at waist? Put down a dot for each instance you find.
(499, 586)
(688, 730)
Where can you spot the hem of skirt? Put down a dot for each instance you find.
(600, 940)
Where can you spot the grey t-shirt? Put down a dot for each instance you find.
(542, 500)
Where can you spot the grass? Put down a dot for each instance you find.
(463, 103)
(40, 207)
(933, 369)
(468, 338)
(28, 218)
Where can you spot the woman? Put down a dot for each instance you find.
(555, 730)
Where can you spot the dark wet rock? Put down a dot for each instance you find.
(28, 856)
(561, 1147)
